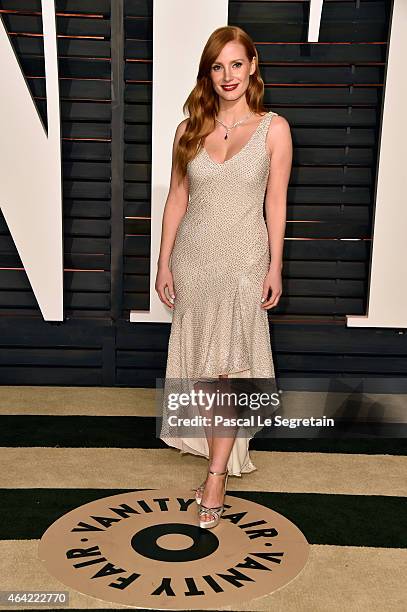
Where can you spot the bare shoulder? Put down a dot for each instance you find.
(181, 127)
(280, 123)
(279, 133)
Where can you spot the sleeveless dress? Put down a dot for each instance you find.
(219, 260)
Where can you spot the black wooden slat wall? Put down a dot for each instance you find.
(330, 92)
(137, 156)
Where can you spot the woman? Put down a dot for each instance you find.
(218, 258)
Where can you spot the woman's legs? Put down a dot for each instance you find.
(220, 448)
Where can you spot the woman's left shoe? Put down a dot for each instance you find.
(216, 513)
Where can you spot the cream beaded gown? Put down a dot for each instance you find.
(219, 260)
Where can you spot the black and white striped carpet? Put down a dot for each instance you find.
(62, 447)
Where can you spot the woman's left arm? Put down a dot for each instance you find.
(279, 146)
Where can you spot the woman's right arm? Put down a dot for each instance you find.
(174, 210)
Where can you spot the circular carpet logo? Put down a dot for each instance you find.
(146, 549)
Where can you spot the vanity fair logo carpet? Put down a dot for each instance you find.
(146, 549)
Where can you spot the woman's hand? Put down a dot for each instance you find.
(272, 282)
(164, 279)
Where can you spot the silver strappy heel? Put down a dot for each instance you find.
(215, 512)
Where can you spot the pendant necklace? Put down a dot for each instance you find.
(228, 128)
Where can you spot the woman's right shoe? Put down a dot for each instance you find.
(216, 513)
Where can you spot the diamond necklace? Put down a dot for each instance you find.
(227, 128)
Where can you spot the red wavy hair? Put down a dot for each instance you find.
(203, 105)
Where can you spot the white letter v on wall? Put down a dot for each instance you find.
(30, 170)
